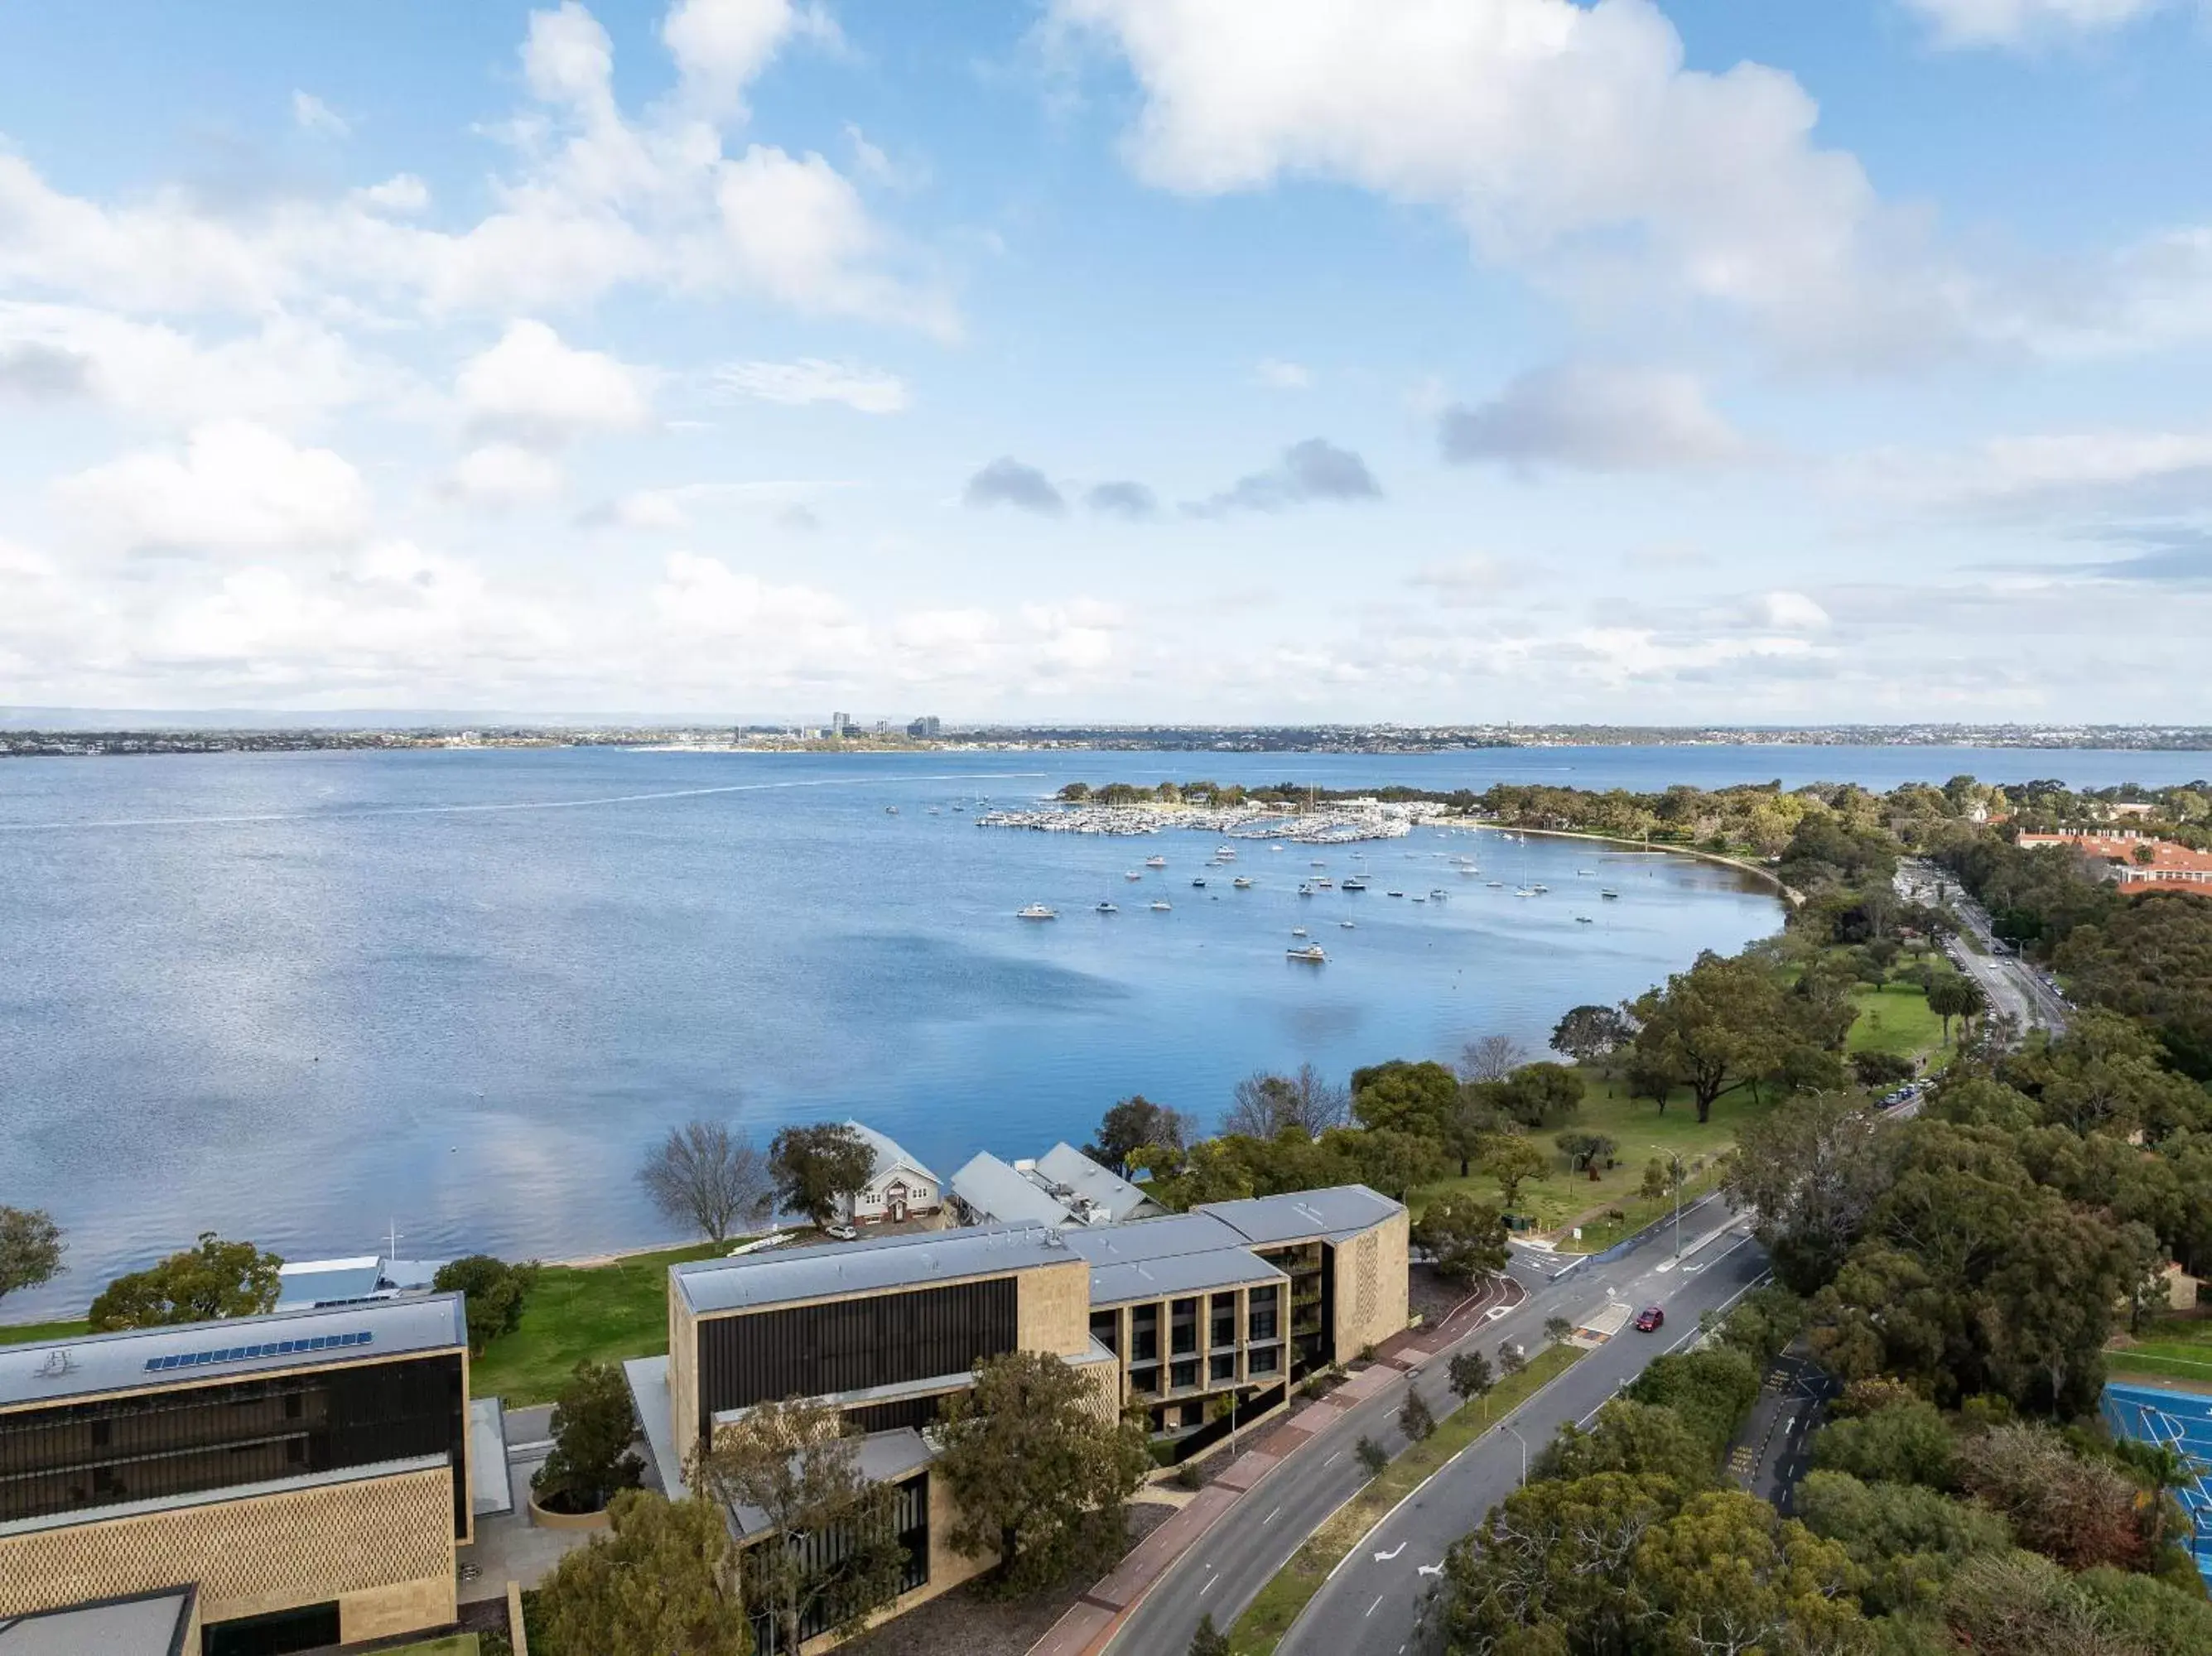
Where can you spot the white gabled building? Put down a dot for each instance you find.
(899, 1186)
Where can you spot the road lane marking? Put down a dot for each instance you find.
(1372, 1608)
(1271, 1516)
(1428, 1570)
(1210, 1580)
(1385, 1557)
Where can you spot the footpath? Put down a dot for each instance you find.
(1090, 1624)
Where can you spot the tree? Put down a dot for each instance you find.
(1555, 1557)
(1512, 1160)
(1584, 1151)
(793, 1463)
(704, 1175)
(1907, 1442)
(1812, 1172)
(2078, 1511)
(1557, 1329)
(1656, 1182)
(1391, 1160)
(1373, 1455)
(1587, 1033)
(1717, 1026)
(1539, 1095)
(1470, 1376)
(214, 1278)
(1727, 1574)
(31, 1249)
(594, 1426)
(1509, 1360)
(1872, 1070)
(1908, 1539)
(1137, 1124)
(1267, 1105)
(1038, 1477)
(1632, 1437)
(495, 1292)
(1465, 1238)
(1492, 1058)
(1403, 1097)
(819, 1168)
(1473, 1120)
(660, 1581)
(1415, 1418)
(1209, 1641)
(1954, 995)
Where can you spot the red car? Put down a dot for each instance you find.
(1649, 1318)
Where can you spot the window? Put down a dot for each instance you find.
(1145, 1334)
(1193, 1414)
(1222, 1365)
(1224, 1320)
(1264, 1320)
(1183, 1328)
(1265, 1361)
(1146, 1380)
(1182, 1376)
(1106, 1329)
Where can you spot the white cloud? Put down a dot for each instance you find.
(1281, 376)
(812, 380)
(532, 387)
(1786, 612)
(1594, 418)
(401, 193)
(502, 474)
(311, 114)
(236, 488)
(2020, 22)
(2059, 473)
(1568, 139)
(286, 370)
(721, 46)
(1465, 582)
(757, 631)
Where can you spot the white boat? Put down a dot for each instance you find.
(1524, 891)
(1036, 912)
(1274, 847)
(1539, 887)
(1438, 893)
(1297, 931)
(1200, 882)
(1132, 874)
(1355, 882)
(890, 811)
(1312, 954)
(1322, 883)
(1317, 862)
(1393, 894)
(1495, 885)
(1225, 853)
(1241, 883)
(1584, 919)
(1161, 904)
(1107, 908)
(1304, 891)
(1585, 872)
(1418, 898)
(1609, 894)
(1156, 862)
(1347, 924)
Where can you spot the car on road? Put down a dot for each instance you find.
(1649, 1318)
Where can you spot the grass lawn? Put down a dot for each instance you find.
(1640, 1132)
(16, 1333)
(1895, 1018)
(602, 1313)
(1268, 1617)
(2169, 1348)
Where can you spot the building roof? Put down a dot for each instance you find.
(1334, 1214)
(872, 1265)
(491, 1484)
(52, 1371)
(1064, 1164)
(890, 1155)
(648, 1392)
(884, 1458)
(1179, 1254)
(327, 1281)
(142, 1624)
(171, 1503)
(989, 1187)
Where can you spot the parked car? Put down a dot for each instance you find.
(1649, 1318)
(841, 1233)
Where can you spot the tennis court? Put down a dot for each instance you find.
(2183, 1419)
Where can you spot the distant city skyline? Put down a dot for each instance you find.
(1191, 361)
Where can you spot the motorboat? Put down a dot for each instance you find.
(1106, 908)
(1495, 885)
(1156, 862)
(1610, 895)
(1036, 912)
(1355, 882)
(1241, 883)
(1322, 883)
(1225, 853)
(1132, 874)
(1274, 847)
(1347, 924)
(1525, 891)
(1316, 862)
(1585, 872)
(1540, 887)
(1198, 882)
(1437, 894)
(1584, 919)
(1418, 898)
(1311, 954)
(1161, 904)
(1393, 894)
(1297, 931)
(1304, 890)
(890, 811)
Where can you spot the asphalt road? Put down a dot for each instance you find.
(1374, 1605)
(2010, 982)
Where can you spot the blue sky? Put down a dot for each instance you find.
(1432, 359)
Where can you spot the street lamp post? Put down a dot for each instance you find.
(1523, 1442)
(1674, 1161)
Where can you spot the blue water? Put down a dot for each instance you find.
(299, 998)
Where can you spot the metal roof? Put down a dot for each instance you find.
(890, 1155)
(883, 1457)
(1064, 1164)
(171, 1503)
(988, 1186)
(142, 1624)
(491, 1485)
(328, 1281)
(870, 1266)
(648, 1392)
(1341, 1212)
(53, 1371)
(1186, 1273)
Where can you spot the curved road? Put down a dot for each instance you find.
(1373, 1604)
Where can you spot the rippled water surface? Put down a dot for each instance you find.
(301, 997)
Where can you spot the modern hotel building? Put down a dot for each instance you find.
(304, 1476)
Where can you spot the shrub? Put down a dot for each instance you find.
(594, 1426)
(494, 1290)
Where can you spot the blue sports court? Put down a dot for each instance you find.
(2183, 1419)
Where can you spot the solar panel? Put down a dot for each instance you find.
(267, 1349)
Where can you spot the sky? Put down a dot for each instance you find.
(1432, 361)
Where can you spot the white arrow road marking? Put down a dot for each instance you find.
(1385, 1557)
(1429, 1569)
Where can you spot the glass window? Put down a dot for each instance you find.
(1264, 1320)
(1265, 1361)
(1182, 1376)
(1224, 1320)
(1222, 1365)
(1106, 1329)
(1183, 1327)
(1146, 1380)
